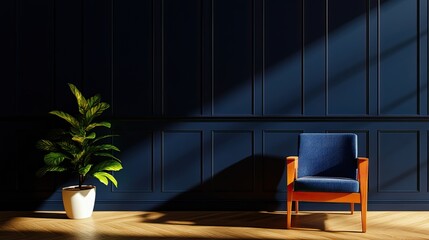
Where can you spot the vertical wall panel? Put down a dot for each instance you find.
(97, 17)
(398, 161)
(68, 51)
(398, 54)
(314, 57)
(8, 56)
(233, 57)
(181, 163)
(136, 145)
(423, 59)
(277, 145)
(133, 57)
(233, 157)
(35, 57)
(373, 58)
(182, 58)
(283, 57)
(347, 53)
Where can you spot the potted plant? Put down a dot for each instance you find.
(80, 151)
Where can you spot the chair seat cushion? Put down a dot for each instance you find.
(326, 184)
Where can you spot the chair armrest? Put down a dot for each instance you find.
(363, 173)
(291, 169)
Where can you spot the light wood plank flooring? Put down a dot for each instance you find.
(213, 225)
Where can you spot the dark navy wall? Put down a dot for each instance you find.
(208, 96)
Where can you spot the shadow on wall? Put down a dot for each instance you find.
(219, 188)
(231, 189)
(23, 181)
(20, 143)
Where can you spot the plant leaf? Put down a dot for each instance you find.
(104, 177)
(91, 136)
(92, 101)
(69, 118)
(103, 107)
(105, 154)
(42, 171)
(106, 147)
(46, 145)
(78, 139)
(84, 170)
(104, 137)
(100, 124)
(95, 111)
(108, 165)
(69, 147)
(54, 158)
(81, 101)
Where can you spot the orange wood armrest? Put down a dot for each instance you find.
(362, 166)
(363, 173)
(291, 167)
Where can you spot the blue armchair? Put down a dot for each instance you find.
(329, 171)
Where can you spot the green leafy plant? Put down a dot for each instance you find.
(78, 149)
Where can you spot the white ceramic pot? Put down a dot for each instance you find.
(79, 203)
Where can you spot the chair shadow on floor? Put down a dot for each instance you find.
(252, 219)
(317, 221)
(304, 221)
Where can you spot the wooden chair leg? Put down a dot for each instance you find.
(363, 188)
(289, 210)
(363, 214)
(352, 208)
(296, 207)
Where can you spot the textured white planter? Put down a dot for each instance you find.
(79, 203)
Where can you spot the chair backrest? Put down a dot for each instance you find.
(327, 154)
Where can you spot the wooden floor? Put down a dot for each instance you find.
(213, 225)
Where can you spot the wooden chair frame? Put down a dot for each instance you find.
(338, 197)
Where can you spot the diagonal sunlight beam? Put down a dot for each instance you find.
(279, 70)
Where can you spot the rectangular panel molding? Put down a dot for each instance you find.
(182, 58)
(398, 161)
(282, 81)
(233, 58)
(182, 161)
(136, 145)
(233, 156)
(347, 58)
(399, 80)
(133, 54)
(277, 144)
